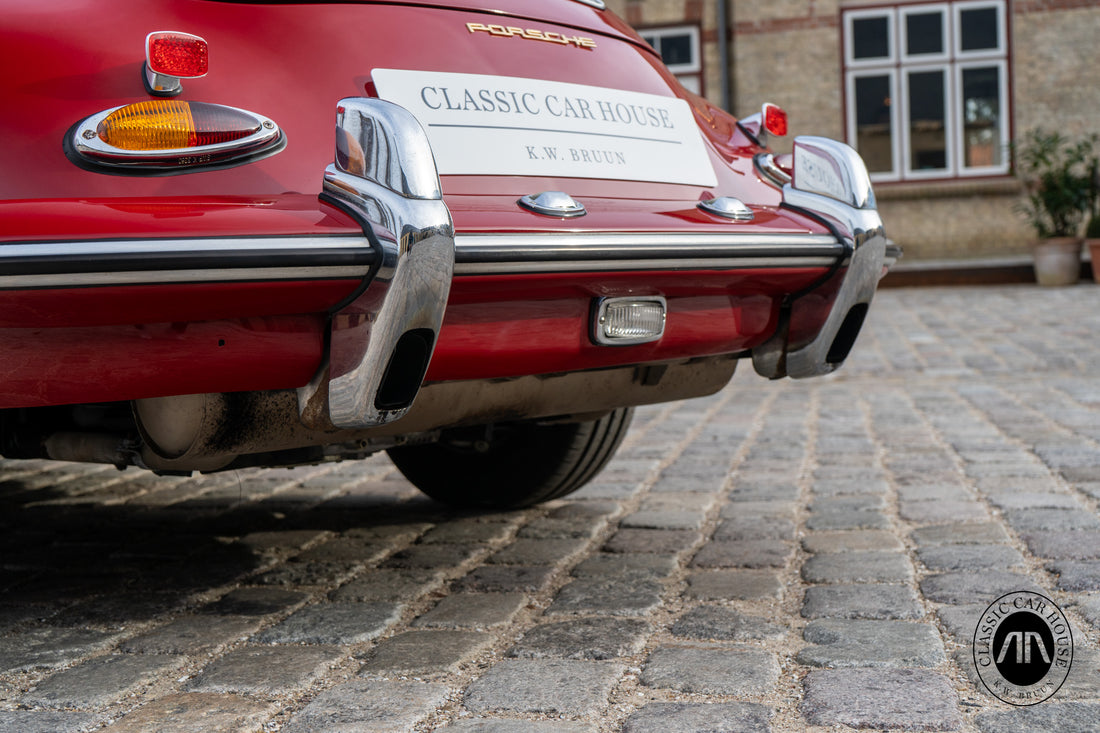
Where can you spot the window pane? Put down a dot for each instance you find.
(978, 29)
(924, 33)
(871, 38)
(874, 132)
(981, 97)
(676, 49)
(691, 82)
(927, 121)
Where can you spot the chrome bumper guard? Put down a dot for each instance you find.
(382, 340)
(831, 184)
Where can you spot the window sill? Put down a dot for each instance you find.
(947, 188)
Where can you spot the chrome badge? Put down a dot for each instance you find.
(531, 34)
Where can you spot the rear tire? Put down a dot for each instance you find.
(513, 464)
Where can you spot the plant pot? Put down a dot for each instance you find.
(1094, 254)
(1057, 261)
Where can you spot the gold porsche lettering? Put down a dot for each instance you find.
(531, 34)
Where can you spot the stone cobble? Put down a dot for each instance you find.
(781, 556)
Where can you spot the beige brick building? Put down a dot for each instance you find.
(930, 93)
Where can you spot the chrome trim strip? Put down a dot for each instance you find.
(745, 263)
(155, 277)
(130, 262)
(894, 253)
(385, 175)
(477, 254)
(206, 245)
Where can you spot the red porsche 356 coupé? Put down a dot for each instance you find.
(474, 235)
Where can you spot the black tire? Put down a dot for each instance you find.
(513, 464)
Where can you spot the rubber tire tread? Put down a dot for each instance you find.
(533, 463)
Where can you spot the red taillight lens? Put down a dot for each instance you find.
(164, 124)
(775, 120)
(177, 54)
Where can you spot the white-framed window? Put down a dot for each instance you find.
(926, 89)
(679, 48)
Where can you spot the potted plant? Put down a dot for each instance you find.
(1056, 172)
(1092, 241)
(1092, 228)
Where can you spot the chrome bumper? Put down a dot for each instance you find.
(382, 340)
(830, 184)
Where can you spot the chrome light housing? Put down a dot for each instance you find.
(168, 135)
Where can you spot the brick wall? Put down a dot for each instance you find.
(788, 52)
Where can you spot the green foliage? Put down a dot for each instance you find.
(1092, 230)
(1059, 177)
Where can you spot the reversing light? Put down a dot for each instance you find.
(167, 134)
(775, 119)
(629, 320)
(172, 53)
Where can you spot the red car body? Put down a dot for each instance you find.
(329, 296)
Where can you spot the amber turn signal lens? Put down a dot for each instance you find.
(165, 124)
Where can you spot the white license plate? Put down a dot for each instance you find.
(507, 126)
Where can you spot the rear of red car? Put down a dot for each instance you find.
(237, 232)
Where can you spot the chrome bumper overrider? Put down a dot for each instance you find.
(381, 341)
(831, 184)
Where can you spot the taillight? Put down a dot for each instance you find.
(171, 56)
(163, 124)
(181, 55)
(770, 120)
(167, 134)
(775, 119)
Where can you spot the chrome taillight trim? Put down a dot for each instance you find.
(85, 141)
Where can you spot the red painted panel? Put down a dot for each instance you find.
(165, 303)
(536, 324)
(51, 366)
(145, 217)
(292, 63)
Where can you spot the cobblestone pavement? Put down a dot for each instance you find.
(777, 556)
